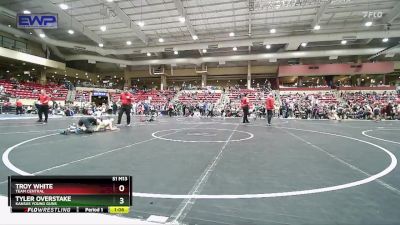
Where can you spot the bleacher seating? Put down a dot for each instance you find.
(156, 97)
(83, 96)
(32, 90)
(320, 98)
(199, 96)
(371, 97)
(255, 97)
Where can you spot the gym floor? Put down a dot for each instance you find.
(214, 171)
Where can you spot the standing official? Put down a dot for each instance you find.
(43, 104)
(19, 107)
(245, 106)
(270, 106)
(126, 105)
(170, 109)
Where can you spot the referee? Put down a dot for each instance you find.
(126, 105)
(245, 106)
(269, 106)
(43, 104)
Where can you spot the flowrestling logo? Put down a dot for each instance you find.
(37, 21)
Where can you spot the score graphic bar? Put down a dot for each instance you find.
(67, 194)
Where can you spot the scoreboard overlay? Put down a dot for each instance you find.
(70, 194)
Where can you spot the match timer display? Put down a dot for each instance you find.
(70, 194)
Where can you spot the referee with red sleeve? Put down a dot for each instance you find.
(43, 106)
(126, 105)
(245, 106)
(270, 106)
(19, 107)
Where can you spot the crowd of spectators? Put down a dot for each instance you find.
(369, 105)
(28, 90)
(214, 102)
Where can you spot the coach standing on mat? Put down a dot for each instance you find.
(270, 106)
(126, 106)
(245, 106)
(43, 106)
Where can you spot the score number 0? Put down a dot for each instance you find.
(121, 188)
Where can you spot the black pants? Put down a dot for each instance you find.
(127, 110)
(269, 116)
(210, 113)
(43, 109)
(170, 111)
(245, 114)
(19, 110)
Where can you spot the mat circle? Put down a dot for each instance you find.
(155, 135)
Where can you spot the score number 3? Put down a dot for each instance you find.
(121, 188)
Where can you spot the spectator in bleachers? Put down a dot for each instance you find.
(114, 108)
(389, 111)
(210, 109)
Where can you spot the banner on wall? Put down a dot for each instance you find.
(37, 21)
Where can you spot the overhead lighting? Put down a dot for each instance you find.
(272, 31)
(231, 34)
(343, 42)
(385, 40)
(42, 35)
(182, 19)
(204, 50)
(71, 31)
(195, 37)
(368, 23)
(9, 25)
(63, 6)
(103, 28)
(148, 54)
(101, 45)
(128, 42)
(30, 33)
(268, 46)
(304, 44)
(161, 40)
(234, 49)
(141, 24)
(110, 0)
(33, 69)
(7, 71)
(27, 12)
(176, 52)
(317, 27)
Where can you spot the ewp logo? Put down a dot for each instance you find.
(36, 21)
